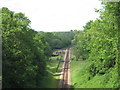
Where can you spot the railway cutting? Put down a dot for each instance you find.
(65, 73)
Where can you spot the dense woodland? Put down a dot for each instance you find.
(58, 40)
(25, 52)
(98, 44)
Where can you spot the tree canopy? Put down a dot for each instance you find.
(98, 43)
(24, 57)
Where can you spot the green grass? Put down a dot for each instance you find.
(52, 79)
(76, 68)
(81, 78)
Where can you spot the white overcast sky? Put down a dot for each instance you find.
(55, 15)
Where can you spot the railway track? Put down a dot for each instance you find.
(65, 74)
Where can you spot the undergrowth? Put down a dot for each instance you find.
(81, 78)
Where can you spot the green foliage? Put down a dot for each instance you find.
(24, 56)
(81, 41)
(58, 40)
(98, 43)
(81, 78)
(26, 52)
(51, 80)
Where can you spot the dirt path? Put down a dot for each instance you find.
(65, 73)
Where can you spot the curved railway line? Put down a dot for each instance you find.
(65, 74)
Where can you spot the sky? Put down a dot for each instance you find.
(55, 15)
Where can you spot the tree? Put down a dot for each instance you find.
(98, 43)
(24, 59)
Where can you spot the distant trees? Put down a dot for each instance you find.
(58, 40)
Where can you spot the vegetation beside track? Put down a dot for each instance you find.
(97, 46)
(51, 80)
(26, 52)
(80, 78)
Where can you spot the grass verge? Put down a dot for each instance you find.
(52, 78)
(81, 78)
